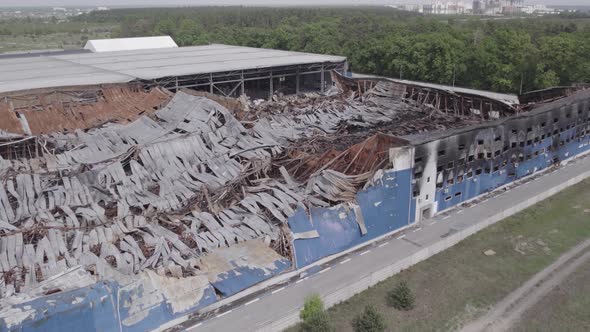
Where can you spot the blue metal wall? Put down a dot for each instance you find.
(242, 277)
(385, 207)
(99, 307)
(480, 184)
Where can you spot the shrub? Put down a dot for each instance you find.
(313, 304)
(401, 297)
(317, 322)
(314, 317)
(369, 321)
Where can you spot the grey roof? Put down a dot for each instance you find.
(124, 66)
(39, 53)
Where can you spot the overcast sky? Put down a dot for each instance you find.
(234, 2)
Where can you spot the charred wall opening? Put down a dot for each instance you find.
(502, 148)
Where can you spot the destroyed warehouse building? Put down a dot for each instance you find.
(135, 203)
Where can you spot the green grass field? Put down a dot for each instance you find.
(461, 283)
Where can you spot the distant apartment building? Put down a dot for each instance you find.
(477, 7)
(448, 7)
(497, 7)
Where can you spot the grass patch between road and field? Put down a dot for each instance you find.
(461, 283)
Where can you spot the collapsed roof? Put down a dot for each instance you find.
(66, 110)
(112, 181)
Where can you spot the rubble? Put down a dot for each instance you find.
(119, 183)
(68, 109)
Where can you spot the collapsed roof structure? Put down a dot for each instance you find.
(135, 182)
(98, 174)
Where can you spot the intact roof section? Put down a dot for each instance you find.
(156, 63)
(48, 71)
(124, 66)
(38, 53)
(125, 44)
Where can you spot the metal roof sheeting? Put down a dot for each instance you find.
(506, 98)
(125, 66)
(127, 44)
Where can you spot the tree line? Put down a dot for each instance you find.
(500, 55)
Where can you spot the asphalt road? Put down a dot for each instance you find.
(257, 312)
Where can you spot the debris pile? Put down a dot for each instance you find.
(70, 109)
(145, 189)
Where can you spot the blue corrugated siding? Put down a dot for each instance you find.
(94, 312)
(95, 308)
(385, 207)
(241, 277)
(480, 184)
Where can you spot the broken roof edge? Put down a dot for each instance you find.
(67, 88)
(550, 94)
(507, 99)
(421, 138)
(120, 79)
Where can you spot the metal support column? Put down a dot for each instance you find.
(271, 87)
(297, 82)
(211, 83)
(323, 79)
(242, 88)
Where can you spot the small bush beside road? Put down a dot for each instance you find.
(369, 321)
(314, 316)
(401, 297)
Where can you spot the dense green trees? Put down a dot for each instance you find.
(500, 55)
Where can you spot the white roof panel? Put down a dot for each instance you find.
(124, 66)
(125, 44)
